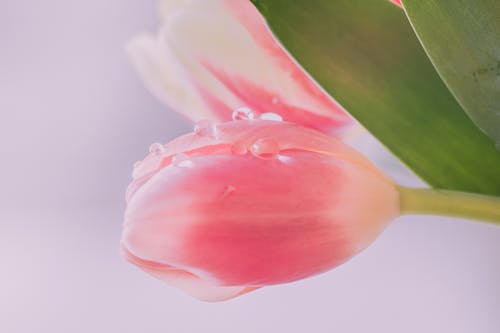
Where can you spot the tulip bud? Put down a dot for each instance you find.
(250, 203)
(397, 2)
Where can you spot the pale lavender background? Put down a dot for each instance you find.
(74, 118)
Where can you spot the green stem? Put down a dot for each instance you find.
(449, 203)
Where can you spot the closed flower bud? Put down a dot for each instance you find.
(250, 203)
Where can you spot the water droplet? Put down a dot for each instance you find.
(275, 100)
(239, 149)
(265, 148)
(156, 148)
(243, 113)
(182, 161)
(271, 116)
(284, 159)
(206, 128)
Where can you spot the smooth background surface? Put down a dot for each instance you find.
(73, 119)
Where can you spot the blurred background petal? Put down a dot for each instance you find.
(213, 56)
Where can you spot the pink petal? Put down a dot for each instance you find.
(188, 282)
(204, 40)
(288, 135)
(162, 76)
(300, 204)
(398, 2)
(263, 101)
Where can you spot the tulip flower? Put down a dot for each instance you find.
(250, 203)
(397, 2)
(237, 206)
(213, 56)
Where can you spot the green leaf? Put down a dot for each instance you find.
(462, 39)
(365, 54)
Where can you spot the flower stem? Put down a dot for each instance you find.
(449, 203)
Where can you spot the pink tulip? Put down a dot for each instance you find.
(213, 56)
(397, 2)
(250, 203)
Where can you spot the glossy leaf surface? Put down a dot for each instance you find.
(462, 38)
(366, 55)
